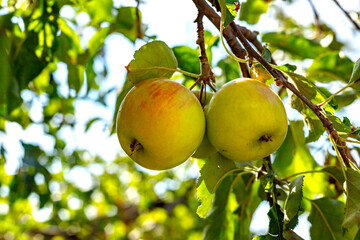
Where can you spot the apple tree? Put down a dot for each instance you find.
(50, 67)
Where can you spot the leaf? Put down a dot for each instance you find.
(127, 23)
(329, 67)
(276, 218)
(326, 217)
(205, 198)
(188, 59)
(5, 68)
(251, 10)
(291, 235)
(215, 170)
(296, 45)
(90, 122)
(125, 89)
(97, 41)
(339, 125)
(266, 54)
(216, 222)
(355, 75)
(336, 173)
(231, 12)
(293, 201)
(352, 210)
(147, 61)
(76, 77)
(230, 69)
(99, 11)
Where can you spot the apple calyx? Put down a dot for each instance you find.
(135, 146)
(265, 138)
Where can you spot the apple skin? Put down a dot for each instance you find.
(205, 149)
(246, 120)
(160, 124)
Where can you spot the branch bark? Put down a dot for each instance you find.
(228, 34)
(357, 26)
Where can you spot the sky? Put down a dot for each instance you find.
(172, 22)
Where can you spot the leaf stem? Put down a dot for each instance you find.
(334, 95)
(343, 168)
(322, 216)
(222, 21)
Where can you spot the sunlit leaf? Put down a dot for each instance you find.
(216, 222)
(99, 10)
(251, 10)
(98, 40)
(150, 61)
(215, 170)
(205, 198)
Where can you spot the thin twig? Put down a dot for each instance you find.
(347, 15)
(228, 34)
(316, 15)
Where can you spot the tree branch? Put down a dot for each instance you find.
(228, 34)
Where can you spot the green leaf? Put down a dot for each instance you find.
(352, 210)
(339, 125)
(99, 11)
(125, 89)
(336, 173)
(97, 41)
(188, 59)
(231, 12)
(90, 122)
(149, 60)
(205, 198)
(293, 201)
(275, 231)
(329, 67)
(215, 170)
(76, 77)
(355, 75)
(216, 222)
(127, 23)
(297, 46)
(5, 68)
(251, 10)
(266, 54)
(326, 218)
(230, 69)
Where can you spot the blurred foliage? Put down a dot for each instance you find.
(122, 201)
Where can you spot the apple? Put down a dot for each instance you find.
(205, 149)
(160, 124)
(246, 120)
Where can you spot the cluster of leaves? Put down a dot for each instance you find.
(121, 201)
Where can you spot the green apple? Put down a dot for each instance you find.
(246, 120)
(205, 149)
(160, 124)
